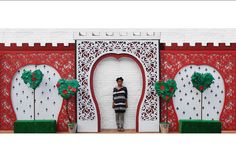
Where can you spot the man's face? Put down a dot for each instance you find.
(120, 83)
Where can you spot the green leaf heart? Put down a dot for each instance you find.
(67, 88)
(32, 79)
(166, 89)
(202, 81)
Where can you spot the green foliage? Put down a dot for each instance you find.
(166, 89)
(67, 88)
(200, 126)
(35, 126)
(32, 79)
(202, 81)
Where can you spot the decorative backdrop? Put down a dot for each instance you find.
(173, 58)
(222, 58)
(147, 52)
(60, 57)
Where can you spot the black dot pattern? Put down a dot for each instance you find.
(187, 100)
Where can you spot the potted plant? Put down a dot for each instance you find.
(33, 80)
(202, 82)
(67, 89)
(165, 90)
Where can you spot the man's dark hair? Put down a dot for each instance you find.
(119, 78)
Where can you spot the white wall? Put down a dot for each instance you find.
(167, 36)
(104, 81)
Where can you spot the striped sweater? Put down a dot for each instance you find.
(120, 97)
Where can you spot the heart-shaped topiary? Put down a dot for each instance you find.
(166, 89)
(32, 79)
(67, 88)
(202, 81)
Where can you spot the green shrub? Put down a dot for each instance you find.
(35, 126)
(199, 126)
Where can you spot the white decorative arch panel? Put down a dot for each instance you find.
(187, 99)
(48, 102)
(146, 52)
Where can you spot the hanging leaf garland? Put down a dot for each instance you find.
(202, 81)
(166, 89)
(67, 88)
(32, 79)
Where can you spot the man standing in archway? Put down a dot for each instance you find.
(120, 104)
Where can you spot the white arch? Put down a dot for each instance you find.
(48, 102)
(186, 99)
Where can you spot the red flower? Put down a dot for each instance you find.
(64, 91)
(73, 90)
(58, 84)
(162, 87)
(201, 88)
(171, 89)
(167, 97)
(33, 79)
(69, 87)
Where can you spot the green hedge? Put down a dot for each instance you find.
(35, 126)
(199, 126)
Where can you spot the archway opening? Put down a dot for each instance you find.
(103, 79)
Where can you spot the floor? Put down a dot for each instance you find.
(114, 131)
(6, 131)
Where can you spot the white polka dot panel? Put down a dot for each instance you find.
(48, 101)
(187, 99)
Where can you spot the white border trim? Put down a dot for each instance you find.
(117, 34)
(166, 36)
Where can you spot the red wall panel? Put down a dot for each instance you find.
(222, 58)
(13, 57)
